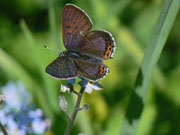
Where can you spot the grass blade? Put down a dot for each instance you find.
(52, 22)
(151, 56)
(51, 91)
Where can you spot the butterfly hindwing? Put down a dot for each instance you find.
(91, 71)
(62, 68)
(75, 23)
(98, 43)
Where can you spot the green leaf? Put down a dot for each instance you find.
(151, 56)
(114, 120)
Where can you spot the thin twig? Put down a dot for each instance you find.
(3, 129)
(76, 109)
(80, 109)
(67, 115)
(75, 92)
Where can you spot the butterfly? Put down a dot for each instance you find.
(86, 49)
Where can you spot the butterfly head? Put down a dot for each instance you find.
(62, 54)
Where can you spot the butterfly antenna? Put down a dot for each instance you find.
(52, 48)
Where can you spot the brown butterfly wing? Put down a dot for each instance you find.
(91, 71)
(62, 68)
(98, 43)
(75, 23)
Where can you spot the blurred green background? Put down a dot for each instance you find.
(27, 25)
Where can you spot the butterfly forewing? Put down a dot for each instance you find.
(98, 43)
(75, 23)
(62, 68)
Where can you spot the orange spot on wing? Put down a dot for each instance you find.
(106, 55)
(101, 70)
(108, 50)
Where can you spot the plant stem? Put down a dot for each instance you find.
(2, 128)
(76, 109)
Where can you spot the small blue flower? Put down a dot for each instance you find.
(39, 126)
(89, 86)
(13, 95)
(19, 114)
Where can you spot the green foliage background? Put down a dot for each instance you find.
(27, 25)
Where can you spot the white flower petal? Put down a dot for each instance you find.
(64, 88)
(88, 90)
(92, 85)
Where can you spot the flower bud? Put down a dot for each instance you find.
(63, 103)
(85, 107)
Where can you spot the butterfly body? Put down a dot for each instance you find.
(74, 55)
(85, 50)
(70, 54)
